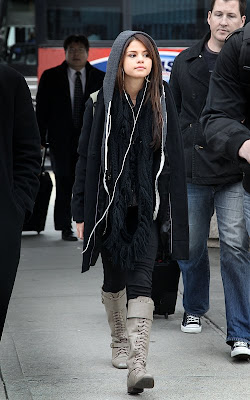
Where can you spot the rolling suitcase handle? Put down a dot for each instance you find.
(44, 154)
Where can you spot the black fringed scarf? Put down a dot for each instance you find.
(135, 186)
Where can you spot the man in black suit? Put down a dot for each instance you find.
(20, 162)
(62, 93)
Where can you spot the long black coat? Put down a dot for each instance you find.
(228, 104)
(19, 169)
(89, 197)
(54, 114)
(189, 83)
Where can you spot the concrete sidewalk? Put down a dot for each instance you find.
(56, 341)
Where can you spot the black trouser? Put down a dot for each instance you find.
(62, 210)
(138, 281)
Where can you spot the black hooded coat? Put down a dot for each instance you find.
(90, 198)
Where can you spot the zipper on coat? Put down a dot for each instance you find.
(108, 127)
(98, 191)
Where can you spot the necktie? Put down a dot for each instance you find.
(78, 102)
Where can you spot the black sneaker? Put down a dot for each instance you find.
(68, 234)
(240, 350)
(191, 323)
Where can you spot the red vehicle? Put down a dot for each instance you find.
(173, 24)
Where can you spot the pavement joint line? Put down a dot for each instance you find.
(214, 326)
(4, 386)
(21, 371)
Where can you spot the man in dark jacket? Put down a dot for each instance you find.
(227, 123)
(213, 183)
(19, 170)
(61, 97)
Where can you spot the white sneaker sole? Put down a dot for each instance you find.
(240, 353)
(191, 329)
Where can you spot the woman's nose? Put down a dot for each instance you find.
(140, 58)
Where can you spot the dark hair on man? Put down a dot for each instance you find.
(242, 6)
(76, 39)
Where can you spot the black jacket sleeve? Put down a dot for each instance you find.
(42, 106)
(80, 175)
(224, 116)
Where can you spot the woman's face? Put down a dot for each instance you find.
(137, 63)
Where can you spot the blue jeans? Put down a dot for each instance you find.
(247, 210)
(227, 200)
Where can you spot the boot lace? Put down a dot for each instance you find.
(141, 344)
(119, 324)
(120, 334)
(122, 351)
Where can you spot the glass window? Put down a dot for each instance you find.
(180, 21)
(172, 19)
(248, 11)
(93, 19)
(17, 35)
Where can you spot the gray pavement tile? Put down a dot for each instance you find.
(53, 313)
(2, 391)
(13, 377)
(56, 341)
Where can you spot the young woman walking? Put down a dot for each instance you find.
(129, 196)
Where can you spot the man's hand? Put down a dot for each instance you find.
(80, 230)
(244, 151)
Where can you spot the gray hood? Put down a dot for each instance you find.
(113, 62)
(109, 84)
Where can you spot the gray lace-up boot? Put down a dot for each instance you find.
(116, 309)
(139, 322)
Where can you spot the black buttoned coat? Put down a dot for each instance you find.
(54, 114)
(19, 169)
(189, 83)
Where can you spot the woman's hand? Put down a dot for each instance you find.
(80, 230)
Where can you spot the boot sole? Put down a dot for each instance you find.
(120, 366)
(134, 391)
(144, 383)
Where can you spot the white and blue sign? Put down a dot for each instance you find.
(167, 59)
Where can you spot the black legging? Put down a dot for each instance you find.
(138, 281)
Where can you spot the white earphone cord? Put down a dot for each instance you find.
(123, 163)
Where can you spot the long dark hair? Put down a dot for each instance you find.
(154, 86)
